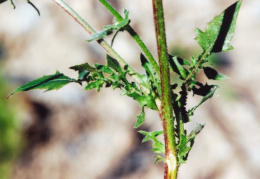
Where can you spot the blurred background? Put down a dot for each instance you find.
(77, 134)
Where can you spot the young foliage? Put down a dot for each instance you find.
(219, 31)
(157, 146)
(147, 89)
(119, 25)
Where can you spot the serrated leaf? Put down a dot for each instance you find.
(158, 147)
(84, 66)
(49, 82)
(95, 84)
(112, 63)
(183, 149)
(150, 135)
(143, 100)
(83, 74)
(220, 31)
(104, 69)
(140, 119)
(183, 103)
(158, 158)
(203, 90)
(212, 74)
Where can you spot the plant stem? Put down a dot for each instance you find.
(165, 111)
(102, 42)
(132, 32)
(201, 58)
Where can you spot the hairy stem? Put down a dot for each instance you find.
(135, 36)
(165, 111)
(202, 57)
(102, 42)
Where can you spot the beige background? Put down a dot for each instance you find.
(72, 133)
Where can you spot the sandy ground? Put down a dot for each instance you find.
(77, 134)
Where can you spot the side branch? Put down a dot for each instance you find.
(102, 42)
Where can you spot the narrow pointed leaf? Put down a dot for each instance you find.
(100, 34)
(112, 63)
(84, 66)
(50, 82)
(219, 31)
(176, 65)
(147, 66)
(104, 69)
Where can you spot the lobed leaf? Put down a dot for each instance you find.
(143, 100)
(183, 149)
(158, 147)
(220, 31)
(158, 158)
(95, 84)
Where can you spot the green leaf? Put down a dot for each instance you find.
(101, 34)
(183, 149)
(119, 25)
(112, 63)
(104, 69)
(147, 66)
(143, 100)
(213, 74)
(220, 31)
(84, 66)
(158, 147)
(210, 92)
(158, 158)
(144, 82)
(176, 66)
(95, 84)
(140, 119)
(50, 82)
